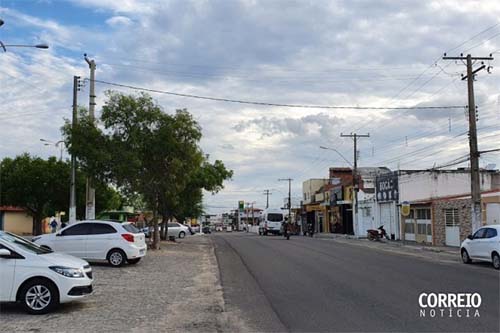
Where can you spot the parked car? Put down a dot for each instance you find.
(38, 278)
(195, 228)
(484, 245)
(177, 230)
(147, 231)
(98, 240)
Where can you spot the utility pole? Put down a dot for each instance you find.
(355, 184)
(267, 193)
(289, 180)
(72, 192)
(89, 189)
(474, 153)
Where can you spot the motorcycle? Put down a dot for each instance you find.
(285, 231)
(310, 230)
(377, 234)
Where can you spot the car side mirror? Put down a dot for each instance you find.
(4, 253)
(469, 237)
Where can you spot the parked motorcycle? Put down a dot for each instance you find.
(377, 234)
(310, 229)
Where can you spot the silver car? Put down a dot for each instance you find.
(177, 230)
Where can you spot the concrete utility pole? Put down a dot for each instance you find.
(289, 180)
(355, 184)
(267, 193)
(474, 153)
(72, 192)
(89, 189)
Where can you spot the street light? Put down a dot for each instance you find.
(335, 150)
(4, 46)
(56, 144)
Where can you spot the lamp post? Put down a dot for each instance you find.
(56, 144)
(335, 150)
(4, 46)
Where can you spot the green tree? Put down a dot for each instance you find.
(42, 188)
(146, 152)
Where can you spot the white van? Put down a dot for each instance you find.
(271, 222)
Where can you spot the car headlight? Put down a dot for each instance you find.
(68, 271)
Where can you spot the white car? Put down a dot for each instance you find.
(484, 245)
(98, 240)
(177, 230)
(38, 278)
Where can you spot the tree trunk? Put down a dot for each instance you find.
(165, 226)
(156, 232)
(162, 230)
(37, 225)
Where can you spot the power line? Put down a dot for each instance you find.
(305, 106)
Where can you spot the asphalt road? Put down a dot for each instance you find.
(312, 285)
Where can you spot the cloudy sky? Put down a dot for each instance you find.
(318, 53)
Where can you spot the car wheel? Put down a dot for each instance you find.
(182, 234)
(39, 296)
(133, 261)
(116, 257)
(465, 257)
(496, 260)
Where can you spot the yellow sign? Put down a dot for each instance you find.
(405, 209)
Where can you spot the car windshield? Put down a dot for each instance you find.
(275, 217)
(23, 243)
(131, 228)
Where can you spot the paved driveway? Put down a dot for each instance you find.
(174, 289)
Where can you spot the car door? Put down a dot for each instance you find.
(7, 274)
(475, 243)
(173, 229)
(73, 240)
(488, 243)
(100, 240)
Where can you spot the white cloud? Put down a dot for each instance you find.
(321, 53)
(117, 21)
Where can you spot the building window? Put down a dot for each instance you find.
(409, 228)
(424, 229)
(451, 217)
(423, 214)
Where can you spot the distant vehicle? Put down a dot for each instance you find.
(38, 278)
(195, 228)
(206, 230)
(98, 240)
(177, 230)
(484, 245)
(118, 216)
(271, 222)
(229, 228)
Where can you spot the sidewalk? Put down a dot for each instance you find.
(443, 253)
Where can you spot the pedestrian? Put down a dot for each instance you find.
(53, 225)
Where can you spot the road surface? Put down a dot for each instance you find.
(313, 285)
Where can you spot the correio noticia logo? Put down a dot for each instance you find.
(451, 305)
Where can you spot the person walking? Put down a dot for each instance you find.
(53, 225)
